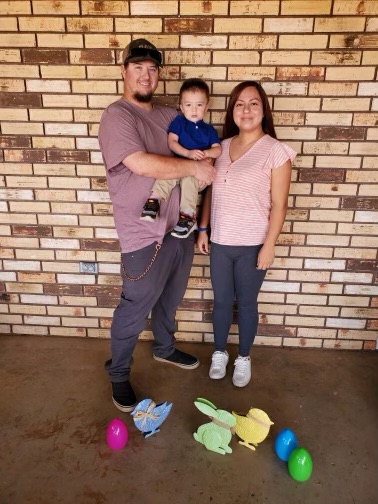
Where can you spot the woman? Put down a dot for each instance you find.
(248, 202)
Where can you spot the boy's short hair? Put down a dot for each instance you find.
(195, 85)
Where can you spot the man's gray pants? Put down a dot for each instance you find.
(160, 291)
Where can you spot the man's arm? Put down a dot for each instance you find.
(166, 167)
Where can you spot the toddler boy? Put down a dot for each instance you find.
(190, 137)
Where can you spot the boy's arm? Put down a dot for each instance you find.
(214, 152)
(175, 147)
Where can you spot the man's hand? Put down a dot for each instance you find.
(204, 172)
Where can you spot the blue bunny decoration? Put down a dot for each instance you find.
(148, 416)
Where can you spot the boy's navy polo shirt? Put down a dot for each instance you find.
(198, 135)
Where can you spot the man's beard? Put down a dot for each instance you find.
(143, 98)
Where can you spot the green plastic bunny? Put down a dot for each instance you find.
(215, 435)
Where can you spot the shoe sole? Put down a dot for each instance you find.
(217, 377)
(147, 218)
(182, 366)
(124, 409)
(183, 236)
(240, 385)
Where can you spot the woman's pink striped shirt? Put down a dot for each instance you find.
(241, 196)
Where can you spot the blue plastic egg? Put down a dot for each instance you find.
(284, 443)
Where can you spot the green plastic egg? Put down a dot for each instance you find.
(300, 464)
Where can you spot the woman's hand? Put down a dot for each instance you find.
(266, 257)
(203, 242)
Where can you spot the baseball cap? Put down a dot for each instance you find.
(141, 50)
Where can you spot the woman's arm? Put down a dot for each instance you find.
(203, 237)
(280, 185)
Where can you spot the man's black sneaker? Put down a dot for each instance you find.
(150, 210)
(180, 359)
(123, 396)
(185, 226)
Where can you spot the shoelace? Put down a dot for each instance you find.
(241, 364)
(218, 359)
(151, 204)
(185, 219)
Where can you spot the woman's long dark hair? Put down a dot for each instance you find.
(230, 129)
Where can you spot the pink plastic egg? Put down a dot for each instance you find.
(116, 434)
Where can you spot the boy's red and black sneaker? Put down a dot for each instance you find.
(186, 225)
(150, 210)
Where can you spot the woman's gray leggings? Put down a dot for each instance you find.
(234, 276)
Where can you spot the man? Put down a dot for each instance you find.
(155, 266)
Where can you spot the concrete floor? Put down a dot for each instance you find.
(55, 404)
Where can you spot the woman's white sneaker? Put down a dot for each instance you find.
(219, 361)
(242, 371)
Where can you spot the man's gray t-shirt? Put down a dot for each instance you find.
(126, 128)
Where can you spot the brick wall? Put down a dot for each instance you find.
(59, 70)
